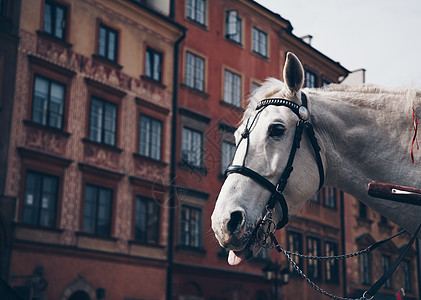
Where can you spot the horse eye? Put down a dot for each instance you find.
(276, 130)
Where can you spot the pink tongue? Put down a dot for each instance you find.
(235, 258)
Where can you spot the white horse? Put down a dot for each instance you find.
(365, 134)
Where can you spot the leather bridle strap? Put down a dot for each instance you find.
(276, 190)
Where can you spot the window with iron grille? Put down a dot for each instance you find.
(55, 19)
(365, 269)
(195, 72)
(48, 102)
(150, 136)
(314, 269)
(295, 244)
(233, 30)
(311, 80)
(153, 64)
(97, 210)
(192, 148)
(227, 154)
(41, 193)
(147, 220)
(191, 220)
(260, 42)
(107, 43)
(332, 266)
(103, 122)
(232, 88)
(196, 11)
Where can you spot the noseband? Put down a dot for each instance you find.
(277, 189)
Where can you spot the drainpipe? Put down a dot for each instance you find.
(345, 285)
(173, 159)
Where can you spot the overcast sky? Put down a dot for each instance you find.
(381, 36)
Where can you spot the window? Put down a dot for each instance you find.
(196, 11)
(103, 122)
(107, 43)
(150, 132)
(153, 64)
(326, 82)
(255, 86)
(41, 192)
(311, 80)
(316, 197)
(295, 244)
(48, 102)
(329, 196)
(233, 26)
(365, 269)
(385, 268)
(260, 42)
(192, 150)
(332, 268)
(383, 220)
(363, 211)
(228, 151)
(146, 224)
(97, 210)
(195, 70)
(55, 19)
(191, 218)
(406, 268)
(232, 88)
(313, 266)
(263, 254)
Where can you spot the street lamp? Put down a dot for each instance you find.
(271, 272)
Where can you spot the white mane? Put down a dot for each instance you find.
(363, 95)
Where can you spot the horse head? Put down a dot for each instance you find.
(264, 141)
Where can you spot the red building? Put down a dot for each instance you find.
(229, 49)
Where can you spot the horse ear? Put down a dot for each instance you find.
(293, 73)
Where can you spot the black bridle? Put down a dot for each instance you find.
(277, 189)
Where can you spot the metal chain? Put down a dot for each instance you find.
(323, 258)
(312, 284)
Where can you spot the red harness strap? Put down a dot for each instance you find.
(414, 139)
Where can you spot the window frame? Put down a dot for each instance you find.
(239, 27)
(298, 260)
(317, 263)
(41, 198)
(232, 88)
(365, 268)
(307, 79)
(330, 191)
(66, 19)
(146, 238)
(260, 33)
(61, 75)
(96, 221)
(103, 116)
(406, 275)
(149, 133)
(199, 239)
(195, 70)
(107, 29)
(108, 94)
(154, 52)
(48, 111)
(188, 162)
(334, 277)
(232, 146)
(386, 262)
(194, 18)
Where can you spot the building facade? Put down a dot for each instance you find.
(88, 155)
(230, 48)
(120, 131)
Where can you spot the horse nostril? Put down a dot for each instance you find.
(235, 222)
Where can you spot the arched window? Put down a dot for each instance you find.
(80, 295)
